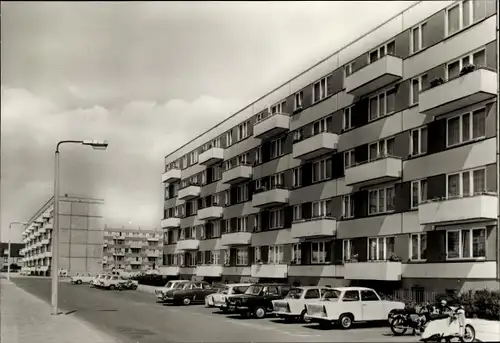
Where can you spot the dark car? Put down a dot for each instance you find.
(189, 292)
(258, 299)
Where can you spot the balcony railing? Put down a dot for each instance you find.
(309, 147)
(272, 125)
(373, 270)
(237, 174)
(382, 169)
(171, 175)
(324, 226)
(189, 192)
(211, 156)
(274, 196)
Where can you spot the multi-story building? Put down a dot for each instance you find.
(80, 237)
(16, 254)
(132, 250)
(376, 166)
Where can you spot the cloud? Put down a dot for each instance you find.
(127, 174)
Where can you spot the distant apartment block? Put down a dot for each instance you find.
(80, 237)
(16, 254)
(132, 251)
(375, 167)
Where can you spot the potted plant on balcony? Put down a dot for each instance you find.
(467, 69)
(436, 82)
(394, 258)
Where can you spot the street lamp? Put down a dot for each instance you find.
(10, 239)
(98, 145)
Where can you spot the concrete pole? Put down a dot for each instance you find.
(55, 241)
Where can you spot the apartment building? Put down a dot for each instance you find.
(375, 167)
(80, 237)
(132, 251)
(16, 254)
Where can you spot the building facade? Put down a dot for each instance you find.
(375, 167)
(132, 251)
(80, 237)
(16, 254)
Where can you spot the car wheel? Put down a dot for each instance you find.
(304, 318)
(78, 282)
(260, 312)
(112, 287)
(345, 321)
(186, 301)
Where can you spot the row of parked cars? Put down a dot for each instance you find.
(105, 281)
(321, 304)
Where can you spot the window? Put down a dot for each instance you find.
(297, 177)
(418, 192)
(369, 295)
(242, 193)
(184, 161)
(276, 218)
(466, 127)
(216, 229)
(322, 125)
(298, 135)
(276, 254)
(418, 141)
(312, 294)
(346, 119)
(381, 200)
(297, 212)
(320, 89)
(347, 206)
(463, 14)
(466, 243)
(242, 131)
(229, 139)
(243, 159)
(380, 248)
(277, 147)
(226, 198)
(257, 255)
(351, 296)
(477, 58)
(347, 249)
(382, 148)
(256, 222)
(348, 69)
(319, 252)
(382, 104)
(417, 84)
(322, 170)
(299, 98)
(227, 257)
(349, 159)
(277, 180)
(418, 246)
(418, 37)
(242, 256)
(278, 108)
(258, 155)
(296, 253)
(381, 51)
(466, 183)
(241, 224)
(321, 208)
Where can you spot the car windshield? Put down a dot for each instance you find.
(254, 290)
(179, 285)
(169, 284)
(108, 277)
(331, 295)
(239, 289)
(223, 290)
(294, 293)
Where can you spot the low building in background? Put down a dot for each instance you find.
(132, 251)
(80, 237)
(15, 256)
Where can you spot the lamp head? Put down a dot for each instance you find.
(96, 144)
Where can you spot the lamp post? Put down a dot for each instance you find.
(10, 240)
(98, 145)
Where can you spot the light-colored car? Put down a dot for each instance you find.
(78, 279)
(219, 299)
(161, 292)
(292, 307)
(347, 305)
(95, 281)
(111, 282)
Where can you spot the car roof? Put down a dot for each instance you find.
(353, 288)
(179, 281)
(270, 284)
(312, 287)
(238, 284)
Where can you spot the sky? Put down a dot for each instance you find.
(147, 77)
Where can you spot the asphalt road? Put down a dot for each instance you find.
(136, 317)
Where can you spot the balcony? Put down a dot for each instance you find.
(153, 253)
(187, 244)
(171, 175)
(47, 254)
(236, 238)
(135, 245)
(45, 241)
(271, 126)
(39, 220)
(37, 234)
(315, 146)
(375, 75)
(272, 197)
(119, 253)
(49, 226)
(135, 262)
(46, 215)
(209, 270)
(153, 238)
(373, 270)
(384, 169)
(277, 271)
(314, 227)
(189, 192)
(476, 86)
(237, 174)
(211, 156)
(171, 222)
(169, 270)
(42, 229)
(210, 213)
(473, 208)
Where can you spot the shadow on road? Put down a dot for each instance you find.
(355, 326)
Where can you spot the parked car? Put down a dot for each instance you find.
(257, 299)
(110, 282)
(348, 305)
(189, 292)
(161, 292)
(292, 307)
(95, 282)
(219, 299)
(79, 279)
(127, 283)
(209, 300)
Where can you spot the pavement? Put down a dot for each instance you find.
(133, 316)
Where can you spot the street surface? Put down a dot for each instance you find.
(136, 317)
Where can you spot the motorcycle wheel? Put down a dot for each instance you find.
(470, 334)
(397, 327)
